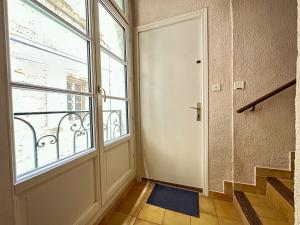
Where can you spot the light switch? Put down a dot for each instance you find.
(216, 87)
(239, 85)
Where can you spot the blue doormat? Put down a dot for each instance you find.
(175, 199)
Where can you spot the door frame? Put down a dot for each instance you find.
(173, 20)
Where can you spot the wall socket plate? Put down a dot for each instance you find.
(239, 85)
(216, 87)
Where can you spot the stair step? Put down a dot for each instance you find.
(280, 193)
(256, 209)
(288, 183)
(258, 200)
(248, 212)
(282, 189)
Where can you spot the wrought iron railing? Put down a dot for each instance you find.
(112, 124)
(80, 126)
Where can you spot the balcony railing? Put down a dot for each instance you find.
(79, 125)
(112, 124)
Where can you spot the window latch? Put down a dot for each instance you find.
(100, 91)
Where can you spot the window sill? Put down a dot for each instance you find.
(41, 175)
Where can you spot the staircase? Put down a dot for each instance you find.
(274, 207)
(271, 201)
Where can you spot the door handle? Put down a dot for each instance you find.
(198, 110)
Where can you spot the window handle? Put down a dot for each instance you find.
(100, 90)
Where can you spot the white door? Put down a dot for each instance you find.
(172, 100)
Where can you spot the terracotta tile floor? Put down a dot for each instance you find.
(133, 210)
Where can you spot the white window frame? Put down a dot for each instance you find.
(114, 10)
(45, 172)
(125, 13)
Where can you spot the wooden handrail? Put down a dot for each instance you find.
(263, 98)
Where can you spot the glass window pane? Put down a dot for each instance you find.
(73, 11)
(114, 79)
(46, 130)
(38, 56)
(78, 87)
(112, 34)
(121, 4)
(115, 119)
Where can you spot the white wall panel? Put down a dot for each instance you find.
(117, 163)
(61, 200)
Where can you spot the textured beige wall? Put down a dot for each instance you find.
(264, 55)
(254, 41)
(220, 103)
(297, 160)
